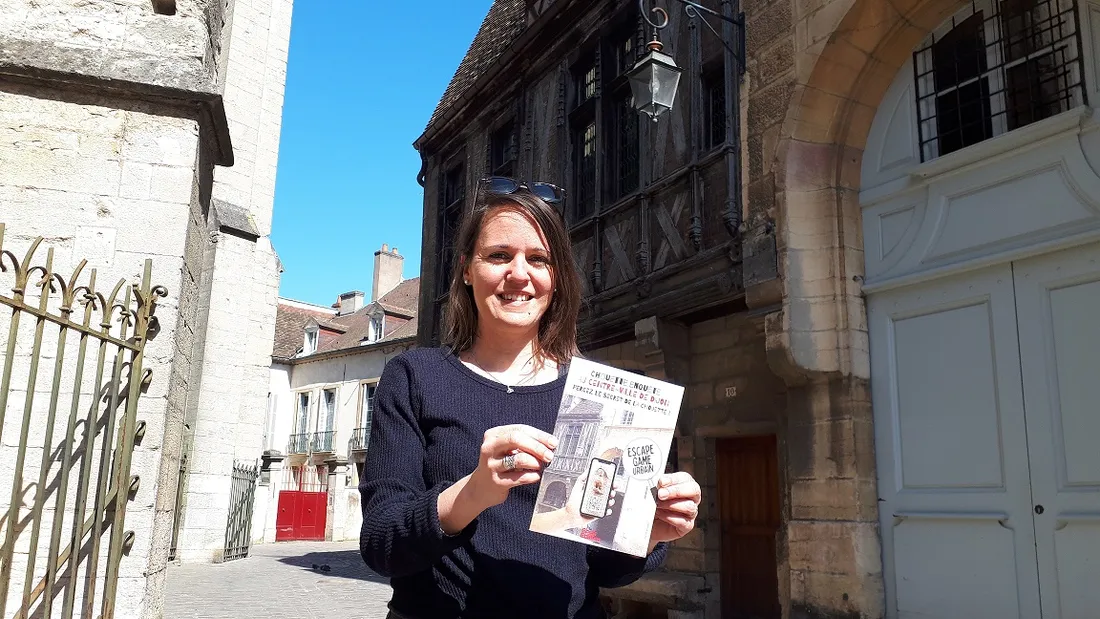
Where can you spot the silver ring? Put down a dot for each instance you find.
(509, 462)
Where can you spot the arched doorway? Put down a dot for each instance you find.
(980, 204)
(869, 269)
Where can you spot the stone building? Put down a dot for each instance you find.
(138, 129)
(325, 365)
(872, 260)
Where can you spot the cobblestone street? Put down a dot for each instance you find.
(279, 581)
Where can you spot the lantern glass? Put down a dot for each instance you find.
(653, 82)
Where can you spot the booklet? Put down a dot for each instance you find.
(614, 430)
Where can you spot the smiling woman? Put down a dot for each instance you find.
(461, 434)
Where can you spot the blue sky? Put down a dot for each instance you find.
(362, 80)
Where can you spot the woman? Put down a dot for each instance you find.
(461, 433)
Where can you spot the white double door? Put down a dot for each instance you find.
(986, 389)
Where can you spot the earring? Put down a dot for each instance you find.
(466, 281)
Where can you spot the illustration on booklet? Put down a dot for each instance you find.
(614, 430)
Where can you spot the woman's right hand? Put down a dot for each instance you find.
(532, 448)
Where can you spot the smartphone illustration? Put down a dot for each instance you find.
(597, 488)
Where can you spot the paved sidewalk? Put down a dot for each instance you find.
(278, 581)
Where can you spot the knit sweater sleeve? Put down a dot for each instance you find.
(401, 534)
(611, 569)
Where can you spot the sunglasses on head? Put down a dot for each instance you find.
(502, 185)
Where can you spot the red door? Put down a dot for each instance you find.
(303, 507)
(301, 516)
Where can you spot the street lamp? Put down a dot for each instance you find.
(655, 78)
(653, 81)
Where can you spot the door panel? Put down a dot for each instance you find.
(1058, 309)
(286, 519)
(951, 449)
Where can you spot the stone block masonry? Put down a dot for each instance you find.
(111, 125)
(238, 285)
(111, 182)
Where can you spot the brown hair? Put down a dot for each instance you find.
(557, 335)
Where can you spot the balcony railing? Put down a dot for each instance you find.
(298, 444)
(322, 441)
(359, 439)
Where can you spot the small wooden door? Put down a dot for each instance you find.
(748, 503)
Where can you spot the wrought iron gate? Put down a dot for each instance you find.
(242, 497)
(70, 479)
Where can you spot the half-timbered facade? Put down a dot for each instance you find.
(873, 260)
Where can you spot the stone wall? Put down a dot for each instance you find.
(239, 288)
(113, 182)
(835, 60)
(117, 40)
(254, 85)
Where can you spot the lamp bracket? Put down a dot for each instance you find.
(695, 10)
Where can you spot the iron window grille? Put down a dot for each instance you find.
(298, 444)
(306, 478)
(322, 441)
(996, 66)
(360, 439)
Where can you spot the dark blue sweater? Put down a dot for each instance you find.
(430, 415)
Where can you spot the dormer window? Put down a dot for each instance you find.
(310, 345)
(996, 66)
(375, 327)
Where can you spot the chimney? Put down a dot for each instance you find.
(349, 303)
(387, 271)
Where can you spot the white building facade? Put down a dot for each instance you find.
(324, 369)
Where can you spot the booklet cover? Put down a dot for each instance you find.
(614, 430)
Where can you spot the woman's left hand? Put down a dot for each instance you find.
(678, 497)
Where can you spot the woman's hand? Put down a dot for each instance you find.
(678, 497)
(531, 449)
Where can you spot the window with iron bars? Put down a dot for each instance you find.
(996, 66)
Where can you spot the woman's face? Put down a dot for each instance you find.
(509, 274)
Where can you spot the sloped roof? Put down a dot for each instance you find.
(348, 331)
(502, 25)
(290, 322)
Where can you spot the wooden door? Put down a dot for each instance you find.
(1057, 304)
(748, 503)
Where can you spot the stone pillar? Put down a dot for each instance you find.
(337, 514)
(831, 530)
(273, 469)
